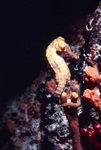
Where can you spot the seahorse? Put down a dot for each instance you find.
(57, 63)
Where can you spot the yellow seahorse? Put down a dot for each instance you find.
(57, 63)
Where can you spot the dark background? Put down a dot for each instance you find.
(27, 27)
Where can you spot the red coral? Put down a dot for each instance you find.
(91, 136)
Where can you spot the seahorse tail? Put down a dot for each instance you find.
(59, 89)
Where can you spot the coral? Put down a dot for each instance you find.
(93, 97)
(93, 28)
(91, 74)
(92, 134)
(10, 124)
(70, 98)
(50, 85)
(73, 120)
(93, 25)
(23, 120)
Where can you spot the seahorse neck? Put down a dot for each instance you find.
(51, 53)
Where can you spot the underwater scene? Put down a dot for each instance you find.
(61, 108)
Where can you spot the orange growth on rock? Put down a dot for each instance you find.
(50, 85)
(19, 144)
(32, 87)
(36, 106)
(92, 48)
(22, 103)
(91, 74)
(64, 95)
(75, 95)
(11, 126)
(93, 97)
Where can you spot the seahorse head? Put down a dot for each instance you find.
(60, 45)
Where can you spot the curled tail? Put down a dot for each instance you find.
(59, 90)
(61, 78)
